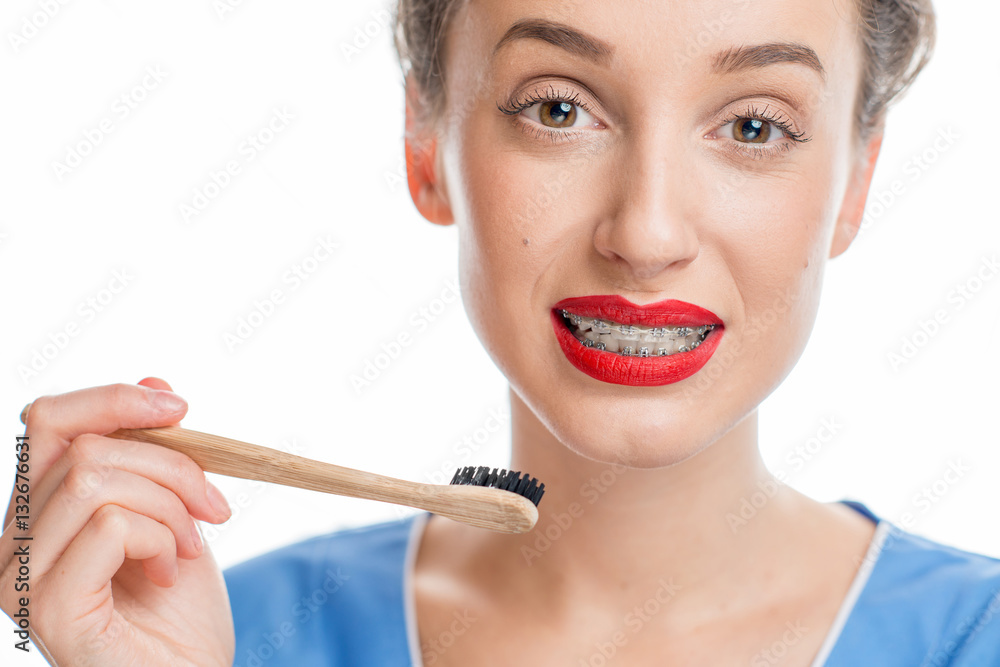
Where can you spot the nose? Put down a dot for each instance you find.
(650, 228)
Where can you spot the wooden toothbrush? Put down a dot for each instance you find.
(498, 500)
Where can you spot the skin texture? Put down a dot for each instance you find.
(650, 196)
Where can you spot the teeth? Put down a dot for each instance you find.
(630, 340)
(627, 332)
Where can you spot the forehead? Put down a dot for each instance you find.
(654, 41)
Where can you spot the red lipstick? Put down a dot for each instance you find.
(637, 371)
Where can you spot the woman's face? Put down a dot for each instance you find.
(647, 158)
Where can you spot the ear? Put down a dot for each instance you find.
(424, 173)
(852, 209)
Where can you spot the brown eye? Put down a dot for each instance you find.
(557, 113)
(751, 130)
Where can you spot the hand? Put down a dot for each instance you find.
(118, 571)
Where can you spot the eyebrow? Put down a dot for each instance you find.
(742, 58)
(730, 61)
(561, 35)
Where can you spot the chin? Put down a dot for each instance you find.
(637, 433)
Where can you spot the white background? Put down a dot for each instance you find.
(336, 171)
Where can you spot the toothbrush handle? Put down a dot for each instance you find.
(490, 508)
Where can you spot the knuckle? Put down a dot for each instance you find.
(83, 481)
(184, 473)
(41, 412)
(110, 519)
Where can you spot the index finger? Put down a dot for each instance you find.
(53, 422)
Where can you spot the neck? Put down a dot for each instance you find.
(607, 531)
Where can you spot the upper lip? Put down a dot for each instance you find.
(667, 313)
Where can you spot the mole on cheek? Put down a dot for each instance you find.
(525, 241)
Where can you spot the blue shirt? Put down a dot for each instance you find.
(345, 599)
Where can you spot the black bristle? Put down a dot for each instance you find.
(510, 484)
(538, 494)
(501, 478)
(482, 473)
(522, 484)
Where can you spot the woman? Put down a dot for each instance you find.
(612, 169)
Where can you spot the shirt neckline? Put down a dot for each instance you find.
(409, 604)
(861, 577)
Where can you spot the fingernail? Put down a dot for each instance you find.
(168, 401)
(217, 500)
(196, 536)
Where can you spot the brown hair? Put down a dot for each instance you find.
(897, 38)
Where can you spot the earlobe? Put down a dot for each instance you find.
(852, 209)
(423, 174)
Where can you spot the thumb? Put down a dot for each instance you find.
(156, 383)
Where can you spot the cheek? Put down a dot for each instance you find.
(522, 216)
(773, 236)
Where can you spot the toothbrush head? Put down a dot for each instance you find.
(501, 478)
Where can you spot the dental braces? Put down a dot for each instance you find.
(642, 351)
(600, 326)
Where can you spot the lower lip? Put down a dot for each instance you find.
(634, 371)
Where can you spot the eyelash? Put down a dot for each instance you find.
(766, 150)
(513, 108)
(755, 151)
